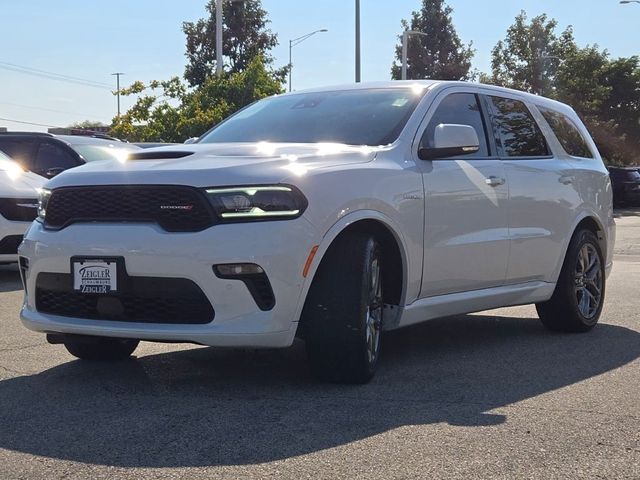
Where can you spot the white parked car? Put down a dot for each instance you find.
(18, 206)
(332, 215)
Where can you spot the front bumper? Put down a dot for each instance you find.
(10, 229)
(280, 248)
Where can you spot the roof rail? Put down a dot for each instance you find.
(104, 137)
(39, 134)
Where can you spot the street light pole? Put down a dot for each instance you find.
(358, 71)
(625, 2)
(219, 37)
(117, 75)
(542, 71)
(297, 41)
(405, 41)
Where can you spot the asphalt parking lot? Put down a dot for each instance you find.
(490, 395)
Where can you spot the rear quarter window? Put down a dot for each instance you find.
(567, 133)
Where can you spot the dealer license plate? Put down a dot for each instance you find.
(95, 276)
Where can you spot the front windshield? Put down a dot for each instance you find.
(353, 117)
(93, 153)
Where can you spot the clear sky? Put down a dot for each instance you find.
(143, 38)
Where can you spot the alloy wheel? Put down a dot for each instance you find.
(588, 281)
(374, 312)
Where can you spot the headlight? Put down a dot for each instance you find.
(254, 203)
(43, 201)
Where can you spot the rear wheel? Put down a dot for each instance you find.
(101, 349)
(577, 301)
(342, 317)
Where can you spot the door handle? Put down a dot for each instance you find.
(494, 181)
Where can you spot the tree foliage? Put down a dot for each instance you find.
(88, 124)
(529, 57)
(605, 92)
(245, 36)
(168, 111)
(439, 54)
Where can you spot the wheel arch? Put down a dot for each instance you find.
(589, 221)
(394, 252)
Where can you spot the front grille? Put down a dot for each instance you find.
(19, 209)
(9, 245)
(142, 299)
(174, 208)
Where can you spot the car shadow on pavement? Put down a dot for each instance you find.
(207, 407)
(9, 278)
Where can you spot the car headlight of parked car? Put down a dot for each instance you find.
(43, 201)
(255, 203)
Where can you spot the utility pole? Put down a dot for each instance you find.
(358, 41)
(405, 41)
(290, 62)
(117, 75)
(219, 37)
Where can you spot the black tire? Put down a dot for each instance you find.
(101, 349)
(342, 338)
(564, 312)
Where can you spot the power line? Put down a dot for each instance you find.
(51, 110)
(28, 123)
(46, 72)
(53, 76)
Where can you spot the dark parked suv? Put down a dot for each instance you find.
(48, 155)
(626, 186)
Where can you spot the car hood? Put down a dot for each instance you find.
(15, 183)
(204, 165)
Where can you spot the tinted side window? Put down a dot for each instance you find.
(568, 134)
(20, 150)
(517, 131)
(54, 156)
(461, 109)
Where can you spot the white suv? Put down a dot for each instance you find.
(332, 215)
(18, 206)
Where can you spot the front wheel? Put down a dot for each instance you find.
(101, 349)
(577, 301)
(342, 317)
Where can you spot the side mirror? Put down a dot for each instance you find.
(191, 140)
(450, 140)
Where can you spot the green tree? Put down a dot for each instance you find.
(168, 111)
(87, 124)
(530, 55)
(622, 76)
(439, 54)
(606, 94)
(245, 36)
(578, 80)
